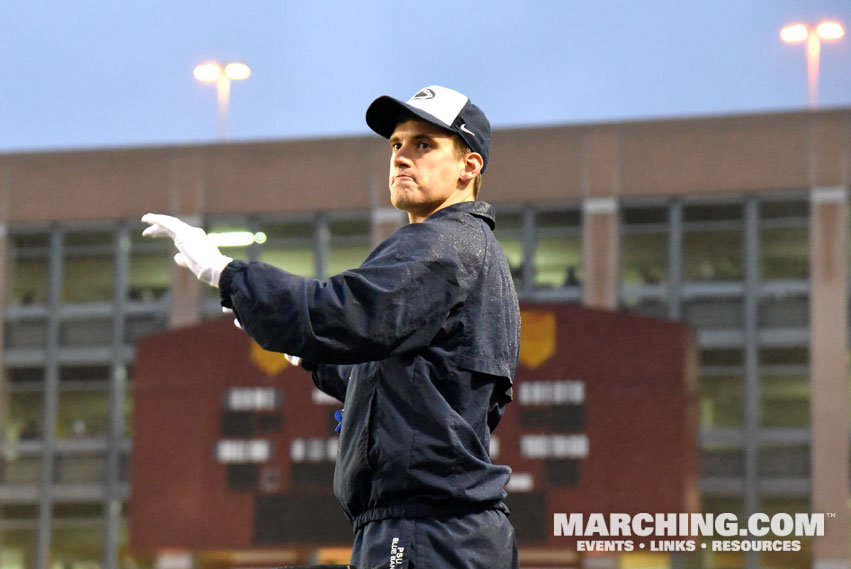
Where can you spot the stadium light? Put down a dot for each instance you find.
(237, 238)
(210, 72)
(794, 33)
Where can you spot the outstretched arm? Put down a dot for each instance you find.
(394, 303)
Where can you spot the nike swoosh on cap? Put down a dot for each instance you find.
(467, 130)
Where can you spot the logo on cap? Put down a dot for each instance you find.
(467, 130)
(424, 94)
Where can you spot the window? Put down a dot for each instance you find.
(83, 413)
(89, 268)
(558, 249)
(18, 548)
(21, 468)
(784, 252)
(88, 279)
(721, 401)
(644, 259)
(714, 313)
(783, 461)
(644, 245)
(26, 333)
(784, 387)
(509, 233)
(78, 511)
(25, 417)
(28, 268)
(722, 461)
(80, 468)
(139, 325)
(784, 400)
(713, 243)
(350, 243)
(84, 374)
(722, 357)
(77, 544)
(784, 310)
(784, 240)
(76, 332)
(28, 281)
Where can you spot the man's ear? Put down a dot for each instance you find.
(473, 163)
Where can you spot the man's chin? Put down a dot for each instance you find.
(409, 207)
(400, 199)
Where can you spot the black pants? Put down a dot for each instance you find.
(484, 540)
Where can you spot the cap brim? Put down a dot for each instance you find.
(385, 113)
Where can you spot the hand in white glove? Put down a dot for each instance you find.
(196, 250)
(294, 360)
(227, 310)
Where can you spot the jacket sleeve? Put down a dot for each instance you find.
(394, 302)
(330, 379)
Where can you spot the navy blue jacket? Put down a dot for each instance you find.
(420, 343)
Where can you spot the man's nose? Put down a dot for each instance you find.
(402, 156)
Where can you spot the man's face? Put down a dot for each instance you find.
(424, 168)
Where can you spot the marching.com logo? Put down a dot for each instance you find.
(687, 528)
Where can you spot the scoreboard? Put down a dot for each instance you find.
(233, 448)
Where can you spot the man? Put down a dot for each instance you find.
(420, 343)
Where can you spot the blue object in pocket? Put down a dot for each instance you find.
(338, 415)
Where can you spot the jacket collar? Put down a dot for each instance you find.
(480, 209)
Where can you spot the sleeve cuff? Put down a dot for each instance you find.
(225, 280)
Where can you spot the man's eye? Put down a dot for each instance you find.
(425, 145)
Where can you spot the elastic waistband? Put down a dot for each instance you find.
(427, 511)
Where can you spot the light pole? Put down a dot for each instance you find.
(794, 33)
(222, 76)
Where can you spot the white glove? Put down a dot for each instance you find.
(295, 360)
(227, 310)
(196, 251)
